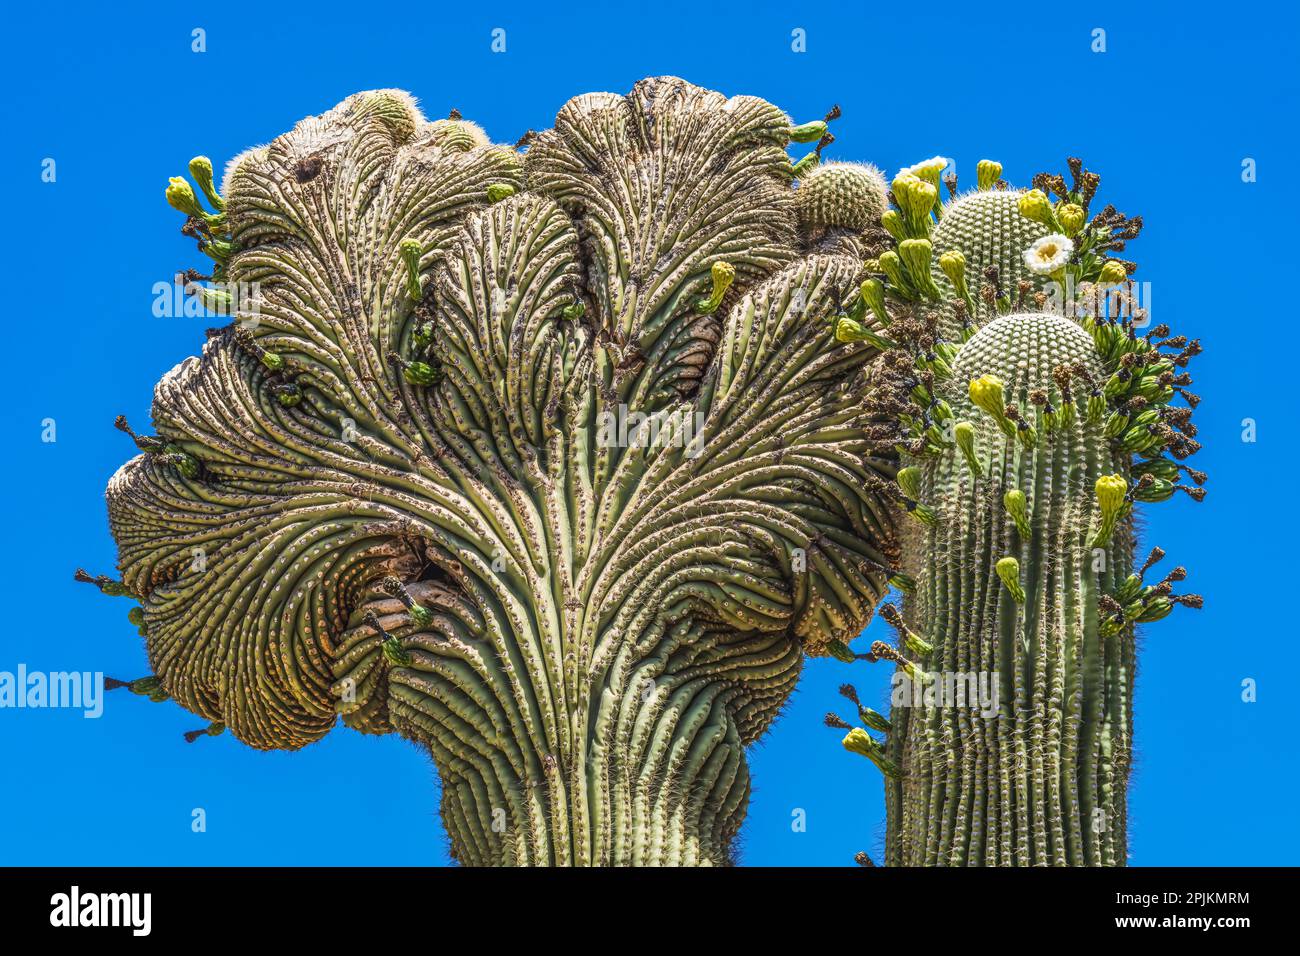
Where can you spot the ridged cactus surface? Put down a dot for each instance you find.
(406, 485)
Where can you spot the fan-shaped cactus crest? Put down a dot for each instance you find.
(545, 457)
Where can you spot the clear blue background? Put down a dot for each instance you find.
(117, 98)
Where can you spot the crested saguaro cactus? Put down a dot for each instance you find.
(1033, 406)
(544, 457)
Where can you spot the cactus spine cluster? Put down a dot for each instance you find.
(545, 457)
(1034, 405)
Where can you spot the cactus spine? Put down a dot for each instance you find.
(1017, 433)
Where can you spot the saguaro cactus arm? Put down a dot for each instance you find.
(549, 462)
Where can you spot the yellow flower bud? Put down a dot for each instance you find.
(1071, 217)
(1112, 273)
(893, 223)
(987, 394)
(1014, 501)
(180, 196)
(909, 479)
(1111, 502)
(987, 173)
(722, 274)
(873, 294)
(1036, 206)
(953, 265)
(964, 434)
(1008, 570)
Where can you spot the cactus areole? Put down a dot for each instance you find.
(551, 458)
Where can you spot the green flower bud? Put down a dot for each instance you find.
(288, 395)
(574, 310)
(892, 266)
(922, 513)
(1161, 468)
(394, 653)
(902, 582)
(145, 686)
(1071, 217)
(1158, 490)
(201, 170)
(873, 294)
(1154, 610)
(1096, 408)
(1017, 507)
(964, 434)
(218, 250)
(722, 274)
(875, 720)
(840, 651)
(1009, 571)
(421, 373)
(186, 464)
(422, 335)
(213, 300)
(410, 250)
(499, 191)
(855, 331)
(805, 165)
(987, 173)
(136, 616)
(909, 479)
(808, 132)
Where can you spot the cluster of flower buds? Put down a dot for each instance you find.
(152, 688)
(858, 740)
(210, 229)
(1133, 403)
(1138, 603)
(817, 131)
(1076, 249)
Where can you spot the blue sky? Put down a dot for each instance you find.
(1167, 114)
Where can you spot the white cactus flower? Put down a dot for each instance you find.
(1049, 254)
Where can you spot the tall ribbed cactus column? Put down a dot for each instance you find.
(1009, 741)
(1013, 592)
